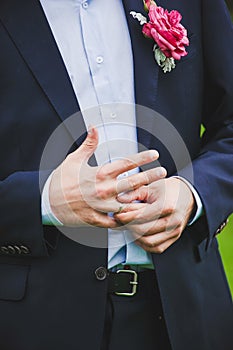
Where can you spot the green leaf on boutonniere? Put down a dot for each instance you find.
(167, 64)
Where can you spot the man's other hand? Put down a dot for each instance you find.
(168, 205)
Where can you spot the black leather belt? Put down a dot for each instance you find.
(128, 282)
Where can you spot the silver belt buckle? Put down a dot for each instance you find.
(134, 283)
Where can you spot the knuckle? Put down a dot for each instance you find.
(159, 249)
(177, 232)
(149, 230)
(147, 177)
(89, 142)
(69, 157)
(101, 174)
(127, 163)
(151, 177)
(177, 224)
(95, 220)
(132, 182)
(150, 245)
(166, 222)
(160, 209)
(143, 156)
(169, 209)
(102, 193)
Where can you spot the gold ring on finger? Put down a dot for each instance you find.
(119, 210)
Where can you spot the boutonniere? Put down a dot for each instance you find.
(169, 35)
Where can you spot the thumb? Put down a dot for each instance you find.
(89, 145)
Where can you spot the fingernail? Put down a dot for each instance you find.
(90, 130)
(122, 196)
(154, 154)
(162, 172)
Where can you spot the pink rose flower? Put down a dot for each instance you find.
(166, 30)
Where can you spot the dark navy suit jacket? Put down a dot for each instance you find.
(49, 296)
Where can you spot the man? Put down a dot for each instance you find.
(58, 57)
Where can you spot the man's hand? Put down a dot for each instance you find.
(83, 195)
(161, 221)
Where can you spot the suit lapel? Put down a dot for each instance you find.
(145, 71)
(28, 28)
(145, 67)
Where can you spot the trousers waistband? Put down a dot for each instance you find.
(137, 268)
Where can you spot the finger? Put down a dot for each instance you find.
(89, 145)
(116, 208)
(137, 180)
(106, 221)
(149, 235)
(121, 208)
(159, 248)
(112, 205)
(101, 220)
(140, 194)
(159, 209)
(120, 166)
(154, 231)
(148, 213)
(155, 227)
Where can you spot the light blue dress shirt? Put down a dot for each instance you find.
(93, 39)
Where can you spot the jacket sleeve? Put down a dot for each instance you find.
(21, 229)
(213, 169)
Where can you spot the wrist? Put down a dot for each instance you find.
(48, 216)
(197, 210)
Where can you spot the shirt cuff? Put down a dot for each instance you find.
(48, 218)
(199, 205)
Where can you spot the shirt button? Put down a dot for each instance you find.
(113, 115)
(101, 273)
(85, 5)
(121, 176)
(99, 59)
(125, 174)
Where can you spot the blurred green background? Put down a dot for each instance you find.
(225, 239)
(230, 5)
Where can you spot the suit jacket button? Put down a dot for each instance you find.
(11, 249)
(4, 250)
(24, 250)
(101, 273)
